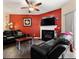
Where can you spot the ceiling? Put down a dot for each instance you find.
(14, 6)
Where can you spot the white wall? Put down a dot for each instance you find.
(69, 7)
(5, 17)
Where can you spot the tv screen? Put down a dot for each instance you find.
(48, 21)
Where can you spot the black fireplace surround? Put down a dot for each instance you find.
(48, 35)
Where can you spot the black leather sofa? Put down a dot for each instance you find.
(9, 36)
(49, 50)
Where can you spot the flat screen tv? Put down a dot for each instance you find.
(48, 21)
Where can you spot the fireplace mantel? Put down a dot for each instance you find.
(48, 27)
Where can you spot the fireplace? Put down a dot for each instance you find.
(47, 28)
(48, 35)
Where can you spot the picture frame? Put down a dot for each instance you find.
(27, 21)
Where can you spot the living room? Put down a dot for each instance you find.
(32, 22)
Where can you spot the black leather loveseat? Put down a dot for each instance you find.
(49, 50)
(9, 36)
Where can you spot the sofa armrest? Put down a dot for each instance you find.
(4, 37)
(37, 49)
(57, 51)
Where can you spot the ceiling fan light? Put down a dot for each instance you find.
(31, 9)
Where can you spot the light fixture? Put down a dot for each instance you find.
(10, 25)
(31, 9)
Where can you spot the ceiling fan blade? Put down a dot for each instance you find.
(37, 9)
(24, 7)
(27, 1)
(38, 4)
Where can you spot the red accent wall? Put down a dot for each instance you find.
(17, 20)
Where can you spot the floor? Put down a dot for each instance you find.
(10, 51)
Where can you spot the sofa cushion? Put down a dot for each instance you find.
(9, 38)
(7, 33)
(19, 33)
(39, 50)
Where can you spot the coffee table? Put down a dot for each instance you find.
(24, 39)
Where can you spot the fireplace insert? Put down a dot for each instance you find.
(48, 35)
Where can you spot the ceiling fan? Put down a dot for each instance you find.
(32, 6)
